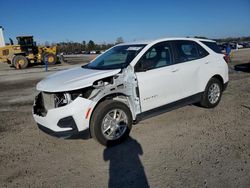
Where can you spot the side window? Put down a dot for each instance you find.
(157, 56)
(186, 51)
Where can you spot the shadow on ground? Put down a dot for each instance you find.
(125, 167)
(242, 67)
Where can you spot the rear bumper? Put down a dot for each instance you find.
(225, 86)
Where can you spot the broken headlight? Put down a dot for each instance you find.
(55, 100)
(61, 99)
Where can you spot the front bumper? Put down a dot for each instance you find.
(65, 134)
(65, 121)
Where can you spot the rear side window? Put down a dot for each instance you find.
(186, 51)
(202, 52)
(213, 46)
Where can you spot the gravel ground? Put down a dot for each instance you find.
(187, 147)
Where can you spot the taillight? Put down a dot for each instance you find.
(227, 58)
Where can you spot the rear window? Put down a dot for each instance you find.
(213, 46)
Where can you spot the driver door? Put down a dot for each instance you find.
(158, 77)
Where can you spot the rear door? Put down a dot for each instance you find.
(191, 58)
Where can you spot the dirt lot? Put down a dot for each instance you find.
(188, 147)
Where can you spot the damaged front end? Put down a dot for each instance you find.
(54, 110)
(62, 114)
(46, 101)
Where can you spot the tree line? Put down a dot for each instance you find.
(234, 39)
(228, 39)
(80, 47)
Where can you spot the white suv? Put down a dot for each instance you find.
(130, 82)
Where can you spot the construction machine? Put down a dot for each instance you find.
(25, 52)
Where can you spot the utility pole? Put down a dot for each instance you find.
(2, 42)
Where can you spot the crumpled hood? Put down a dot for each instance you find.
(73, 79)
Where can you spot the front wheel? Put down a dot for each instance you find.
(111, 122)
(212, 94)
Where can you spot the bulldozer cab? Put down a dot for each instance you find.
(27, 45)
(26, 41)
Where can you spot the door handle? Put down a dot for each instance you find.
(174, 70)
(207, 62)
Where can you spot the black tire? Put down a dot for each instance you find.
(51, 58)
(207, 98)
(99, 116)
(20, 62)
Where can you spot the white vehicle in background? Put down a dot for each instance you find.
(127, 83)
(92, 52)
(239, 46)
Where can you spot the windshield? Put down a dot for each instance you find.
(116, 58)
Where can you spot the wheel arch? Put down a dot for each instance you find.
(217, 76)
(121, 97)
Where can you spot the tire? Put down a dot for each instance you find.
(51, 58)
(108, 130)
(212, 94)
(20, 62)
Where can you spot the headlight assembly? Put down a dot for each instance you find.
(55, 100)
(61, 99)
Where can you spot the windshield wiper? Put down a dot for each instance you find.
(94, 68)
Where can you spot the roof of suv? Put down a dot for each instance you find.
(163, 39)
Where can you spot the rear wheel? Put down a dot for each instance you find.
(212, 94)
(20, 62)
(50, 58)
(111, 122)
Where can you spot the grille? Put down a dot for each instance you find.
(48, 100)
(38, 107)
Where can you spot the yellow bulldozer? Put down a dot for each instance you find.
(25, 52)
